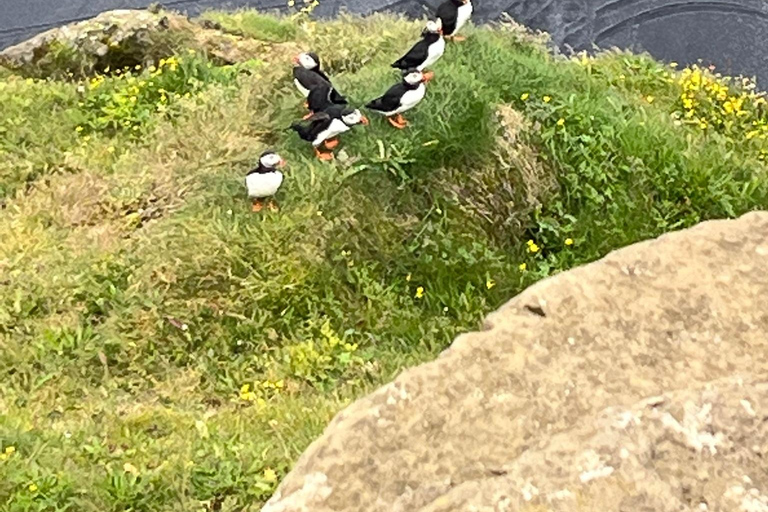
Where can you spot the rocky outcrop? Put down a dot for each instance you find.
(120, 38)
(635, 383)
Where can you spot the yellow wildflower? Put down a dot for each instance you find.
(245, 393)
(9, 450)
(32, 488)
(560, 122)
(569, 241)
(649, 99)
(547, 99)
(673, 65)
(490, 283)
(30, 81)
(3, 456)
(130, 468)
(419, 292)
(522, 267)
(525, 96)
(111, 149)
(270, 475)
(408, 277)
(533, 248)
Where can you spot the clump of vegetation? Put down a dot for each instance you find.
(163, 348)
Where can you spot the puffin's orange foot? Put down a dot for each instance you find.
(332, 143)
(323, 156)
(307, 116)
(257, 206)
(398, 121)
(459, 39)
(272, 205)
(395, 123)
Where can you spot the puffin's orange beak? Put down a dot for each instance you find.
(295, 59)
(364, 121)
(428, 76)
(440, 30)
(282, 162)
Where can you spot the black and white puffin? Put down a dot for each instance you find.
(454, 14)
(307, 75)
(426, 52)
(265, 180)
(323, 127)
(401, 97)
(321, 98)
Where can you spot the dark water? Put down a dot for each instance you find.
(731, 34)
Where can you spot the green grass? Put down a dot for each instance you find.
(254, 24)
(139, 295)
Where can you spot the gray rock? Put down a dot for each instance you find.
(641, 388)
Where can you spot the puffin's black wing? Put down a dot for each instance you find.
(415, 56)
(323, 96)
(307, 78)
(322, 74)
(309, 129)
(319, 98)
(391, 99)
(338, 98)
(448, 14)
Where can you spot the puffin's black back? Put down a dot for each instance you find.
(418, 53)
(309, 130)
(448, 12)
(391, 99)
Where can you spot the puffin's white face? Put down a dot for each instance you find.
(434, 27)
(306, 61)
(414, 77)
(271, 160)
(353, 118)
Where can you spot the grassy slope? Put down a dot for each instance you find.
(138, 294)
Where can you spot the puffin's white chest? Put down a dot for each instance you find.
(303, 90)
(465, 12)
(336, 127)
(411, 98)
(263, 184)
(434, 52)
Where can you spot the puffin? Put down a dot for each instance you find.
(264, 180)
(321, 98)
(401, 97)
(454, 14)
(307, 75)
(426, 52)
(323, 127)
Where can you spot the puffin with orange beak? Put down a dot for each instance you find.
(454, 14)
(265, 180)
(426, 52)
(402, 97)
(324, 127)
(307, 76)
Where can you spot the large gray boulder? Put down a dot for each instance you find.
(635, 383)
(124, 37)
